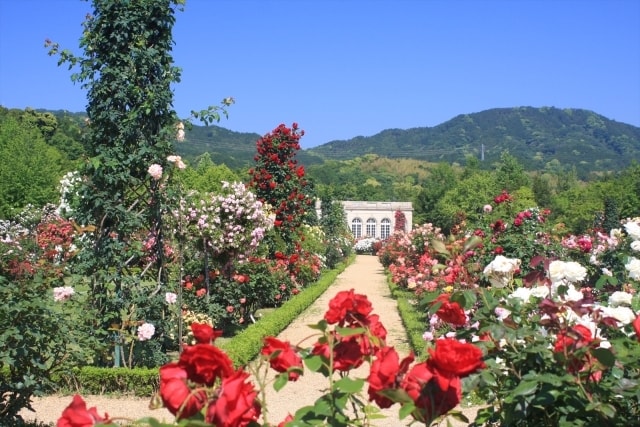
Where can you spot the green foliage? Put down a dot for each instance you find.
(206, 177)
(94, 380)
(127, 70)
(36, 337)
(464, 201)
(30, 168)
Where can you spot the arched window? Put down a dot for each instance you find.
(356, 227)
(385, 228)
(371, 227)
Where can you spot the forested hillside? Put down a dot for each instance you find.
(39, 147)
(541, 138)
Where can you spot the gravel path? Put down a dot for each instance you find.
(366, 276)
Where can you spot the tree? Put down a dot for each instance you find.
(206, 177)
(510, 173)
(30, 169)
(441, 179)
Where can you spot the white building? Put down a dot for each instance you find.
(374, 219)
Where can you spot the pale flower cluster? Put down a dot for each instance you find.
(62, 293)
(170, 298)
(633, 267)
(500, 271)
(146, 331)
(180, 132)
(155, 170)
(177, 160)
(566, 271)
(231, 222)
(68, 185)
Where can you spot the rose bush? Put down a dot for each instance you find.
(557, 315)
(202, 386)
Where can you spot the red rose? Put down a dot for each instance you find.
(452, 359)
(77, 415)
(430, 400)
(176, 396)
(570, 340)
(636, 326)
(236, 406)
(204, 334)
(385, 373)
(347, 306)
(347, 354)
(282, 357)
(205, 363)
(450, 312)
(284, 422)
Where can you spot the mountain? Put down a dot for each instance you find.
(540, 138)
(234, 149)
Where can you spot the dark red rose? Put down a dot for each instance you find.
(386, 373)
(347, 306)
(347, 354)
(176, 395)
(204, 334)
(77, 415)
(636, 326)
(450, 312)
(205, 363)
(282, 357)
(452, 359)
(431, 401)
(236, 406)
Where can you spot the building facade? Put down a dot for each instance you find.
(374, 219)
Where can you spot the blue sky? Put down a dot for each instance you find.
(353, 67)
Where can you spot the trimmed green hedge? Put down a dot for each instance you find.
(412, 319)
(242, 348)
(92, 380)
(245, 346)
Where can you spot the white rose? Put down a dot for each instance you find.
(620, 298)
(570, 271)
(573, 294)
(502, 264)
(633, 267)
(623, 315)
(540, 292)
(522, 293)
(633, 230)
(635, 245)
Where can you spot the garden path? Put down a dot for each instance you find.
(365, 276)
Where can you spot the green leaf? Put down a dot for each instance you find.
(349, 385)
(314, 363)
(281, 381)
(406, 410)
(604, 356)
(525, 388)
(346, 332)
(440, 247)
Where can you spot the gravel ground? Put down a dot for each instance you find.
(366, 276)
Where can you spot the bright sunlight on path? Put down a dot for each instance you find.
(365, 276)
